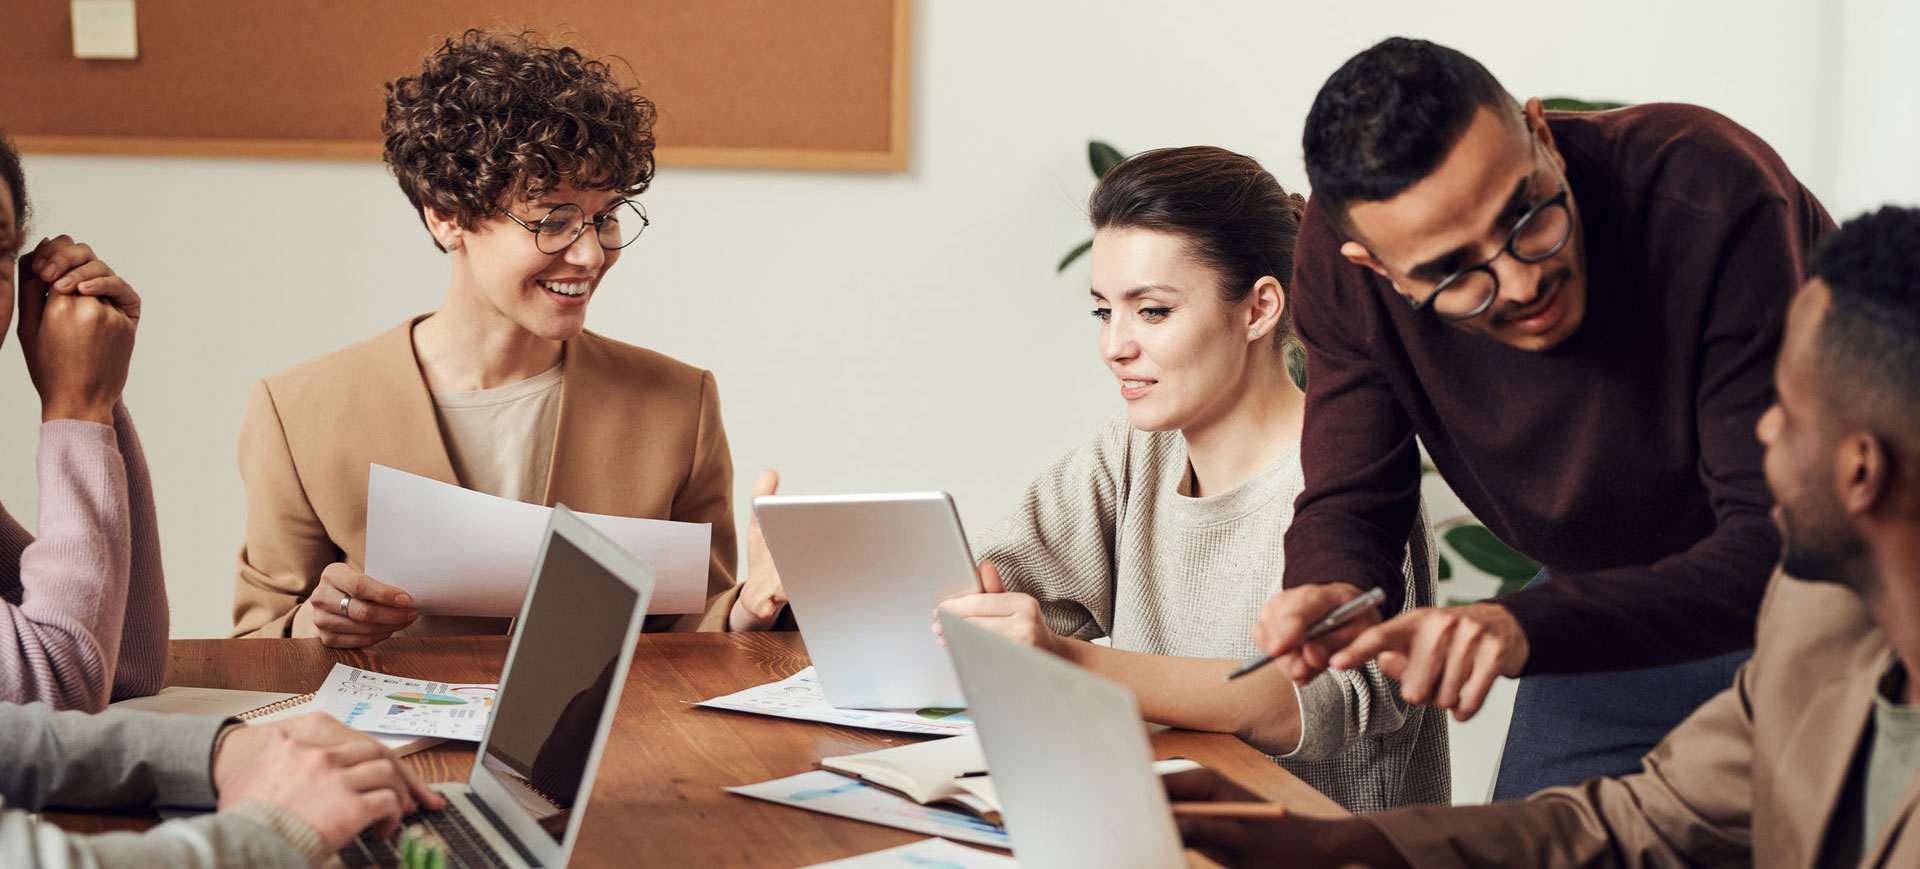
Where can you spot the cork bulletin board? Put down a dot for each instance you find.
(784, 84)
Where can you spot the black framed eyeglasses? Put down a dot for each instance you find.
(1539, 234)
(616, 228)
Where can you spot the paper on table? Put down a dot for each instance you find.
(828, 793)
(799, 696)
(379, 703)
(466, 553)
(925, 854)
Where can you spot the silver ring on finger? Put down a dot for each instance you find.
(345, 599)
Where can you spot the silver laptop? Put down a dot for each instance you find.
(522, 805)
(1068, 754)
(863, 574)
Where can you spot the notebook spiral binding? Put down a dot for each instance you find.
(272, 708)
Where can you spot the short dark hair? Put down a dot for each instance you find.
(1388, 116)
(1870, 340)
(1234, 215)
(492, 115)
(16, 179)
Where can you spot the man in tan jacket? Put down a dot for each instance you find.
(1810, 758)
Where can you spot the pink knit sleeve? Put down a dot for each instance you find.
(142, 668)
(64, 604)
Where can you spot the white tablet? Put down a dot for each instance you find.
(863, 574)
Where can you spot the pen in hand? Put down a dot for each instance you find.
(1327, 624)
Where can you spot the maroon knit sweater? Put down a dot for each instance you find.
(1625, 459)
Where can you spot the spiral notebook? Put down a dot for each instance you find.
(253, 707)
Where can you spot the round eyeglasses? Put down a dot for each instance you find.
(1536, 237)
(616, 227)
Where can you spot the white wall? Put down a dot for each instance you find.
(869, 332)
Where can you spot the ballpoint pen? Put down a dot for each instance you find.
(1332, 621)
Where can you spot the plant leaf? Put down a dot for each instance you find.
(1574, 104)
(1078, 251)
(1102, 157)
(1483, 550)
(1446, 569)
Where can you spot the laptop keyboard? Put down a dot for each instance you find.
(465, 847)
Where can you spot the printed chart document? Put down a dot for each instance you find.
(925, 854)
(466, 553)
(832, 794)
(799, 696)
(395, 705)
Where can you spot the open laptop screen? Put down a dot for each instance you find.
(554, 695)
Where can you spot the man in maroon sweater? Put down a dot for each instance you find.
(1577, 315)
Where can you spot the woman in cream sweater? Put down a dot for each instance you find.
(1163, 532)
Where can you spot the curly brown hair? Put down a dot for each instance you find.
(495, 115)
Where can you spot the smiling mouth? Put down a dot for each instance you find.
(1549, 295)
(573, 288)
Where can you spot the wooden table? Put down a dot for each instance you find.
(658, 798)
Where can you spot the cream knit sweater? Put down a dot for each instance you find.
(1109, 545)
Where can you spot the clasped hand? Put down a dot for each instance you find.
(77, 323)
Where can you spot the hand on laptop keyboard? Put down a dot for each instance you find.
(337, 780)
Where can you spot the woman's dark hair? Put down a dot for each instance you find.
(1235, 217)
(16, 179)
(494, 115)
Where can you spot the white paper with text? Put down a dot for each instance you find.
(466, 553)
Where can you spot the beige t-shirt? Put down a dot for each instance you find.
(501, 439)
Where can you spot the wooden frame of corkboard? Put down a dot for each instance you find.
(767, 84)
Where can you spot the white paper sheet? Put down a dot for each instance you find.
(828, 793)
(925, 854)
(380, 703)
(799, 696)
(461, 552)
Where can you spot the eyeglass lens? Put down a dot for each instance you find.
(616, 228)
(1536, 238)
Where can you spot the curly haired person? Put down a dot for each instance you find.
(523, 160)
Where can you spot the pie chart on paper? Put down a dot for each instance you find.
(425, 699)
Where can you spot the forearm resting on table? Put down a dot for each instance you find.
(1260, 707)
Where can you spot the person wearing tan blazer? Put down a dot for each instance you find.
(639, 435)
(522, 160)
(1812, 758)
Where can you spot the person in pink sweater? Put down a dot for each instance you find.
(83, 607)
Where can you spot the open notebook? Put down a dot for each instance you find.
(254, 707)
(950, 771)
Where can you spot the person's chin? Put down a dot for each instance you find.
(1146, 417)
(561, 326)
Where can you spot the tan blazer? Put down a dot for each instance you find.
(1752, 778)
(639, 435)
